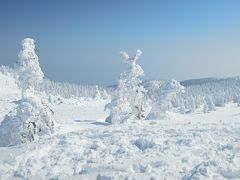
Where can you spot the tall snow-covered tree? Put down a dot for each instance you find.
(29, 71)
(32, 116)
(129, 101)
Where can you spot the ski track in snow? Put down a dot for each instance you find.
(191, 146)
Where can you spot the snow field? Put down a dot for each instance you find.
(200, 146)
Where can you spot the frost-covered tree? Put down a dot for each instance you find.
(208, 104)
(120, 108)
(71, 90)
(221, 91)
(129, 101)
(211, 106)
(98, 94)
(29, 71)
(219, 100)
(162, 102)
(237, 99)
(30, 120)
(32, 116)
(182, 108)
(191, 104)
(106, 95)
(205, 106)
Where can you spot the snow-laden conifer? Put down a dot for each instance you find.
(27, 122)
(211, 106)
(129, 101)
(29, 71)
(32, 117)
(205, 106)
(98, 94)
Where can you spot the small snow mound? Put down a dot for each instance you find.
(143, 144)
(225, 147)
(142, 168)
(184, 142)
(231, 174)
(199, 171)
(99, 177)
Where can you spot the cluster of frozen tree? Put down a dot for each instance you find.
(71, 90)
(63, 89)
(133, 101)
(208, 95)
(153, 99)
(32, 117)
(162, 94)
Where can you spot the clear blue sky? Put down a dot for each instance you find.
(79, 40)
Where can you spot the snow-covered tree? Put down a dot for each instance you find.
(219, 100)
(236, 99)
(30, 120)
(205, 106)
(129, 101)
(32, 116)
(98, 94)
(211, 106)
(208, 104)
(29, 71)
(191, 104)
(182, 108)
(106, 95)
(120, 108)
(162, 102)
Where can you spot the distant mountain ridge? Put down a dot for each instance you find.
(201, 81)
(189, 82)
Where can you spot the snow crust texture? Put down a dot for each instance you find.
(152, 150)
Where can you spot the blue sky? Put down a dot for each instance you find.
(79, 40)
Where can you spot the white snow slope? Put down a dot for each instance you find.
(191, 146)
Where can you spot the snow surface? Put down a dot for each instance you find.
(190, 146)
